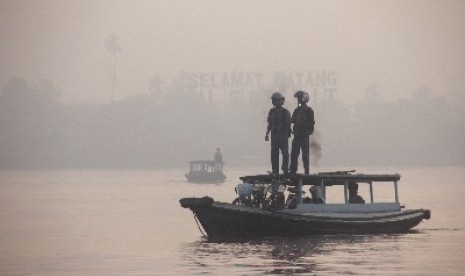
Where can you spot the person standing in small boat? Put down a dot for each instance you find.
(304, 122)
(279, 125)
(218, 157)
(354, 197)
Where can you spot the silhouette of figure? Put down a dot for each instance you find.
(218, 157)
(317, 194)
(279, 125)
(304, 121)
(354, 197)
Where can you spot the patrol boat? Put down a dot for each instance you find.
(253, 217)
(206, 171)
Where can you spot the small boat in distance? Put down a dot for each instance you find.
(255, 214)
(206, 171)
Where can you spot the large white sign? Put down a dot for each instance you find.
(227, 85)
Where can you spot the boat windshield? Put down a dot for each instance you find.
(361, 192)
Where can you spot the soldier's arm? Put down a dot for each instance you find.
(268, 128)
(311, 119)
(288, 117)
(311, 116)
(294, 115)
(288, 122)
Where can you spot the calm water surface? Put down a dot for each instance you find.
(131, 223)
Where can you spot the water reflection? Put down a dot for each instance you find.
(339, 254)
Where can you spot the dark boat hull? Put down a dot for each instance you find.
(205, 177)
(227, 220)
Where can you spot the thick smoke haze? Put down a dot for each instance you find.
(396, 45)
(144, 84)
(177, 124)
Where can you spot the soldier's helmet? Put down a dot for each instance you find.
(302, 96)
(277, 96)
(277, 99)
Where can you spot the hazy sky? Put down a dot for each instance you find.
(396, 45)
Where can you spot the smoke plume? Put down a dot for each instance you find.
(315, 147)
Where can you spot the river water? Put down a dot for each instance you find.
(130, 223)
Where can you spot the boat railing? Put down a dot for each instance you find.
(379, 207)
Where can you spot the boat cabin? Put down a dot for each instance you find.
(205, 171)
(202, 166)
(343, 183)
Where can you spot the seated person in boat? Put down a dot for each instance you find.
(293, 196)
(317, 194)
(354, 197)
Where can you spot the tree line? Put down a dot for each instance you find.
(174, 125)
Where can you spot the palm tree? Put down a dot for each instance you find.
(113, 47)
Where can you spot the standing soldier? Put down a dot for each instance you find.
(218, 157)
(279, 124)
(304, 121)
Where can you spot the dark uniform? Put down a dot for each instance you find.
(304, 121)
(279, 124)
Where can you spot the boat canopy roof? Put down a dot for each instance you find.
(203, 162)
(328, 178)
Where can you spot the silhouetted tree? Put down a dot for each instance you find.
(113, 47)
(155, 87)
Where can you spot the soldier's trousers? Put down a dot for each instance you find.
(278, 144)
(300, 143)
